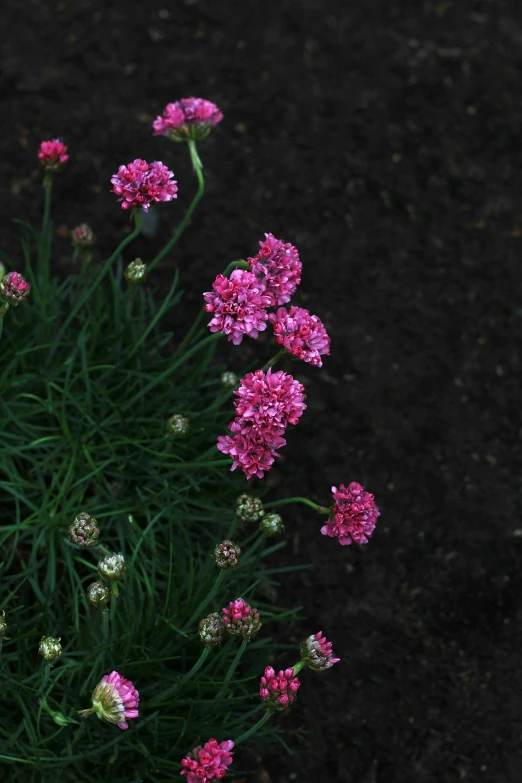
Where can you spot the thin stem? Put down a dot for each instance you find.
(198, 168)
(242, 737)
(174, 689)
(273, 360)
(231, 669)
(239, 264)
(207, 599)
(46, 676)
(285, 501)
(48, 185)
(105, 625)
(193, 329)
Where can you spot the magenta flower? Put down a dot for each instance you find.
(277, 266)
(209, 762)
(241, 619)
(52, 155)
(317, 653)
(279, 691)
(238, 305)
(301, 334)
(139, 184)
(250, 451)
(14, 289)
(354, 515)
(187, 119)
(114, 699)
(270, 400)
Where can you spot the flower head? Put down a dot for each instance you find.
(317, 653)
(178, 426)
(278, 267)
(353, 515)
(187, 119)
(270, 400)
(241, 619)
(135, 272)
(98, 594)
(114, 700)
(271, 525)
(209, 762)
(249, 508)
(52, 155)
(227, 554)
(139, 184)
(211, 629)
(301, 334)
(250, 450)
(279, 691)
(238, 304)
(84, 531)
(112, 567)
(50, 648)
(14, 289)
(82, 236)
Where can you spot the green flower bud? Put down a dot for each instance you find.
(227, 554)
(249, 508)
(271, 525)
(50, 648)
(82, 236)
(136, 272)
(112, 567)
(2, 271)
(3, 624)
(98, 594)
(84, 531)
(229, 380)
(178, 426)
(211, 629)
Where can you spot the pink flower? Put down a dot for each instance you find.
(277, 265)
(114, 699)
(52, 155)
(14, 288)
(301, 334)
(139, 184)
(241, 619)
(188, 118)
(279, 691)
(209, 762)
(270, 400)
(250, 451)
(354, 515)
(317, 653)
(238, 304)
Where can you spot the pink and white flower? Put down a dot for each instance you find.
(53, 155)
(279, 691)
(238, 304)
(186, 119)
(114, 700)
(301, 334)
(241, 619)
(209, 762)
(353, 516)
(14, 289)
(139, 184)
(278, 267)
(316, 653)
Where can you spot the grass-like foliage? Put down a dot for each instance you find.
(89, 378)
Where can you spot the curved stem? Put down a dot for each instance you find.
(231, 669)
(198, 168)
(242, 737)
(285, 501)
(273, 360)
(207, 599)
(174, 689)
(239, 264)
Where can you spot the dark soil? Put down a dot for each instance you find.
(383, 139)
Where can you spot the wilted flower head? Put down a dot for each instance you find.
(354, 515)
(52, 155)
(211, 629)
(50, 648)
(227, 554)
(249, 508)
(136, 272)
(3, 624)
(114, 700)
(14, 289)
(112, 567)
(209, 762)
(241, 619)
(82, 236)
(98, 594)
(84, 531)
(317, 653)
(178, 426)
(271, 525)
(301, 334)
(238, 304)
(229, 379)
(187, 119)
(279, 691)
(278, 268)
(139, 184)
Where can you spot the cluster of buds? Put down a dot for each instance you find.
(112, 567)
(241, 619)
(229, 379)
(3, 624)
(316, 653)
(50, 648)
(84, 531)
(98, 594)
(249, 508)
(82, 236)
(14, 289)
(209, 762)
(178, 426)
(279, 691)
(227, 554)
(211, 629)
(52, 155)
(271, 525)
(136, 272)
(114, 700)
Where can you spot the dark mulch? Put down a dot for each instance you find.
(383, 139)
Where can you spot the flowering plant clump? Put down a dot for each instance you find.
(90, 374)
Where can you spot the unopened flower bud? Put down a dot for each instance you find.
(271, 525)
(316, 653)
(112, 567)
(178, 426)
(3, 624)
(136, 272)
(84, 531)
(227, 554)
(241, 619)
(229, 380)
(98, 594)
(14, 289)
(249, 508)
(211, 629)
(82, 236)
(50, 648)
(53, 155)
(2, 271)
(279, 690)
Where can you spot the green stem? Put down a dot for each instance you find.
(239, 264)
(46, 676)
(48, 186)
(297, 667)
(242, 737)
(207, 599)
(198, 168)
(105, 625)
(285, 501)
(273, 360)
(174, 689)
(231, 669)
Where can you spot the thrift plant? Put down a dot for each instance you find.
(127, 529)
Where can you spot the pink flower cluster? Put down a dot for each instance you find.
(354, 515)
(14, 288)
(209, 762)
(279, 691)
(241, 619)
(301, 334)
(238, 305)
(266, 403)
(317, 653)
(188, 118)
(52, 155)
(139, 184)
(278, 267)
